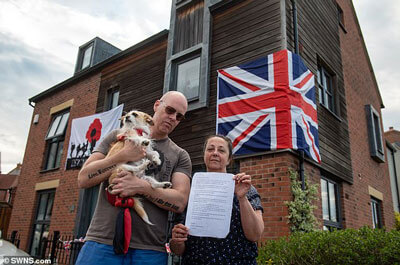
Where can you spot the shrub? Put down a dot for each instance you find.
(397, 221)
(364, 246)
(301, 209)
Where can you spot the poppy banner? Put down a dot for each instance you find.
(86, 132)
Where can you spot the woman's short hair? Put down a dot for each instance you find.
(227, 140)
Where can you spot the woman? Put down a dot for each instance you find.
(246, 226)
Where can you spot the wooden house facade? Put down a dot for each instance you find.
(207, 35)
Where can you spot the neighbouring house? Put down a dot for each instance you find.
(8, 188)
(205, 36)
(392, 138)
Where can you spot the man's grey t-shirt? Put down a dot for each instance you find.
(144, 236)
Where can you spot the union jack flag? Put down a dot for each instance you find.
(269, 104)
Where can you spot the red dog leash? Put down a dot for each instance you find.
(123, 224)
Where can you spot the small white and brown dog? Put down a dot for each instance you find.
(136, 128)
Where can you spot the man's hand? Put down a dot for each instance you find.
(128, 185)
(131, 152)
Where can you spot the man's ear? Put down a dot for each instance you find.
(156, 104)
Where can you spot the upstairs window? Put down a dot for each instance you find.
(87, 56)
(330, 204)
(55, 140)
(188, 78)
(375, 134)
(112, 98)
(340, 17)
(188, 52)
(326, 91)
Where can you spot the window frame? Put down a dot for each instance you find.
(324, 86)
(44, 222)
(341, 17)
(202, 48)
(375, 136)
(328, 223)
(87, 205)
(56, 140)
(175, 72)
(376, 213)
(110, 97)
(83, 56)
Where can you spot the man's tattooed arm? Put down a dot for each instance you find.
(100, 171)
(162, 202)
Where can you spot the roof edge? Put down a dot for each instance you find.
(99, 66)
(367, 55)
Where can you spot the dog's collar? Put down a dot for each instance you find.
(138, 131)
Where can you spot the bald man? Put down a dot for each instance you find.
(147, 242)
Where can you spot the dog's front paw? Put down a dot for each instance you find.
(156, 160)
(167, 185)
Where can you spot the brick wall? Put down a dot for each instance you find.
(270, 175)
(84, 93)
(361, 89)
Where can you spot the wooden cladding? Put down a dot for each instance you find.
(188, 27)
(139, 77)
(320, 44)
(238, 35)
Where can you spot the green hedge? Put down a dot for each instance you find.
(365, 246)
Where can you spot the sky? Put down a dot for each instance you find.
(39, 42)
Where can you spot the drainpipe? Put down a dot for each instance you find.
(295, 31)
(296, 50)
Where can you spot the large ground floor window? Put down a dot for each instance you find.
(41, 223)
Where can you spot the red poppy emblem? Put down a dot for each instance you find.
(94, 131)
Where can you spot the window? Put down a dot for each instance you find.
(87, 205)
(375, 134)
(330, 204)
(325, 86)
(340, 16)
(55, 140)
(376, 213)
(112, 98)
(187, 67)
(41, 223)
(188, 78)
(87, 56)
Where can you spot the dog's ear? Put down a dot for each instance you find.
(123, 115)
(150, 121)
